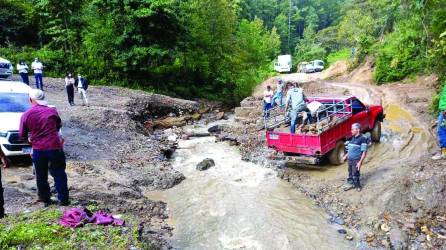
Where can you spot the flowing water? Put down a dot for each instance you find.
(239, 205)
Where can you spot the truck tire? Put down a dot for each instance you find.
(336, 155)
(376, 132)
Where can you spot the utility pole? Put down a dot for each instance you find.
(289, 26)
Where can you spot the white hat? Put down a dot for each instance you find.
(38, 96)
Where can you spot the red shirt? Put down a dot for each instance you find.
(43, 124)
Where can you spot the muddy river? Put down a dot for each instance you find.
(239, 205)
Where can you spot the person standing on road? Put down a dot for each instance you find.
(6, 164)
(82, 86)
(23, 71)
(267, 98)
(69, 85)
(43, 124)
(37, 66)
(356, 153)
(441, 126)
(296, 96)
(279, 94)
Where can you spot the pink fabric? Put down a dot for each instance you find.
(76, 217)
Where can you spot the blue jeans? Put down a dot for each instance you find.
(266, 107)
(54, 162)
(353, 173)
(441, 130)
(39, 82)
(277, 96)
(293, 116)
(25, 78)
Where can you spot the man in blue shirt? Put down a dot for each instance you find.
(356, 153)
(295, 98)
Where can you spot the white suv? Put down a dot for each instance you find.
(6, 68)
(14, 101)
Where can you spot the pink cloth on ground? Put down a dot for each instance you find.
(76, 217)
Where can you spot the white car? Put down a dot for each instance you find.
(14, 101)
(6, 68)
(318, 65)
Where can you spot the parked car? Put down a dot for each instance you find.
(284, 64)
(6, 68)
(329, 130)
(309, 68)
(14, 101)
(318, 65)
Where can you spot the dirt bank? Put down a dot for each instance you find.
(402, 203)
(110, 160)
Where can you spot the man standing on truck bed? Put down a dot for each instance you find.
(356, 153)
(296, 96)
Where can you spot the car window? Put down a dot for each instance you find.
(14, 102)
(357, 106)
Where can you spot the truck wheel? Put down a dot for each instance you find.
(336, 155)
(376, 132)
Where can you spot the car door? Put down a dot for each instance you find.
(360, 114)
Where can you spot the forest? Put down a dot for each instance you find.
(220, 49)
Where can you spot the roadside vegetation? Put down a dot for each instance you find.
(40, 228)
(220, 49)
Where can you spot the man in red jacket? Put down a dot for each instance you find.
(43, 123)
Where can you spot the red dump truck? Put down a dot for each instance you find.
(325, 134)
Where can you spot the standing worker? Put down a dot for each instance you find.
(296, 96)
(279, 94)
(356, 153)
(23, 71)
(441, 126)
(82, 86)
(267, 98)
(43, 124)
(69, 85)
(37, 66)
(2, 201)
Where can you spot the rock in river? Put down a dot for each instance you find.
(205, 164)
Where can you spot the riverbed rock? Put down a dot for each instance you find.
(205, 164)
(398, 239)
(215, 129)
(342, 231)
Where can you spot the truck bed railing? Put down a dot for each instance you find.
(331, 113)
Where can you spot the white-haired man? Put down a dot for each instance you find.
(356, 153)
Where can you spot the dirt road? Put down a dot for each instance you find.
(110, 161)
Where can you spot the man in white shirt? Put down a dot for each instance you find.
(37, 66)
(267, 98)
(82, 86)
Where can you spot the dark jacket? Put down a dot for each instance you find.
(84, 83)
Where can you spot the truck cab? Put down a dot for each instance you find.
(14, 101)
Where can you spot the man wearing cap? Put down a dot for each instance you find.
(37, 66)
(42, 124)
(356, 153)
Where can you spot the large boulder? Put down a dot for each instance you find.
(205, 164)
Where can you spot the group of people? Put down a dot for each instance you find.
(71, 82)
(37, 67)
(40, 126)
(296, 103)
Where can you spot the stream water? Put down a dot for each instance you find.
(239, 205)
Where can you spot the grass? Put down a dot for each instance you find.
(342, 54)
(40, 230)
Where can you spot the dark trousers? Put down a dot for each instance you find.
(70, 93)
(25, 78)
(2, 209)
(54, 162)
(39, 81)
(353, 173)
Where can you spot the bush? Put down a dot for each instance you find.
(343, 54)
